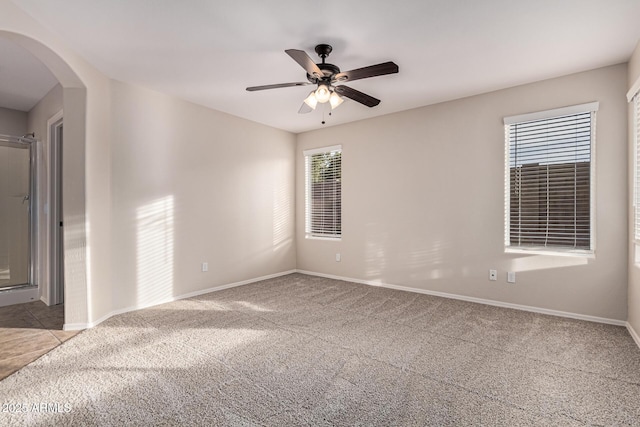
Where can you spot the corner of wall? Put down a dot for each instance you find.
(633, 334)
(633, 67)
(633, 291)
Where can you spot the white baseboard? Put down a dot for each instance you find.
(633, 334)
(476, 300)
(79, 326)
(44, 300)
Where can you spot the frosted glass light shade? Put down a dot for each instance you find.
(311, 100)
(323, 94)
(335, 100)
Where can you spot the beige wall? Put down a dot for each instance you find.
(37, 118)
(193, 185)
(423, 197)
(13, 122)
(634, 249)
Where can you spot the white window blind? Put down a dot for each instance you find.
(549, 181)
(636, 115)
(323, 192)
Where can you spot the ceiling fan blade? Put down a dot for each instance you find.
(276, 86)
(357, 96)
(366, 72)
(301, 57)
(304, 109)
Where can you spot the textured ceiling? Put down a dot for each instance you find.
(208, 52)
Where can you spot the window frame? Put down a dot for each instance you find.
(591, 107)
(636, 167)
(307, 154)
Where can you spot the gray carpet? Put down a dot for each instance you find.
(302, 350)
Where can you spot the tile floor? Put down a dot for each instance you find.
(27, 331)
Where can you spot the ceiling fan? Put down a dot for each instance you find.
(326, 76)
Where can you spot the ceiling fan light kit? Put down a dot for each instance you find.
(326, 75)
(323, 93)
(335, 100)
(311, 100)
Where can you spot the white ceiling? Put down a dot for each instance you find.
(209, 51)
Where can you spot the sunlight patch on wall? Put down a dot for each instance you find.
(154, 251)
(545, 262)
(77, 255)
(282, 206)
(416, 256)
(376, 257)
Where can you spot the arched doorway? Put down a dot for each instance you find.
(74, 253)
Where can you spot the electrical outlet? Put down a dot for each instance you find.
(511, 277)
(338, 257)
(493, 275)
(205, 266)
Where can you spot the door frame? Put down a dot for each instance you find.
(55, 249)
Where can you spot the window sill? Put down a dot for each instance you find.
(331, 239)
(552, 252)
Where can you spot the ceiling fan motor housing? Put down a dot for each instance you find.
(329, 70)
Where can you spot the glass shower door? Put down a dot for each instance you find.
(15, 213)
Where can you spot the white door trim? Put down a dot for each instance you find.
(56, 286)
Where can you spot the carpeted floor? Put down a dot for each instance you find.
(302, 350)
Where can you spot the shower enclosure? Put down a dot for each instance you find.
(17, 201)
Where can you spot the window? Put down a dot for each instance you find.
(549, 180)
(323, 192)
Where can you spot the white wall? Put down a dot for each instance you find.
(193, 185)
(634, 249)
(423, 200)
